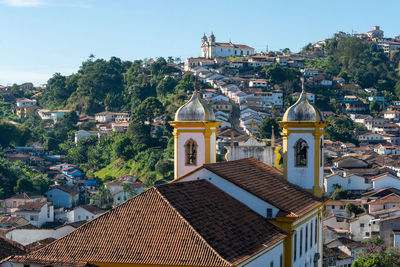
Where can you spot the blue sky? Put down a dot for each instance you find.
(41, 37)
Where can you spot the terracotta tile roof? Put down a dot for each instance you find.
(171, 224)
(39, 244)
(347, 242)
(268, 184)
(335, 252)
(383, 175)
(92, 209)
(391, 198)
(390, 218)
(343, 202)
(10, 248)
(384, 211)
(65, 189)
(31, 206)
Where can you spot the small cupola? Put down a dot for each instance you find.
(302, 110)
(195, 110)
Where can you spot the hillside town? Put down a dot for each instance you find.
(360, 159)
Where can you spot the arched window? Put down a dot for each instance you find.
(301, 149)
(191, 152)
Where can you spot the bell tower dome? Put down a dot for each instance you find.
(303, 139)
(195, 132)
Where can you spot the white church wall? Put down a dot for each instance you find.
(236, 192)
(306, 257)
(182, 139)
(213, 147)
(271, 255)
(304, 176)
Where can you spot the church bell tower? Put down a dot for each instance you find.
(303, 139)
(195, 132)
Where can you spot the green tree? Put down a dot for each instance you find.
(265, 127)
(164, 168)
(24, 184)
(352, 209)
(377, 253)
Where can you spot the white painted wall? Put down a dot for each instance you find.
(386, 181)
(80, 214)
(28, 236)
(304, 176)
(353, 182)
(396, 240)
(182, 139)
(253, 202)
(307, 256)
(265, 258)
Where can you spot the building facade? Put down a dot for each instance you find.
(211, 49)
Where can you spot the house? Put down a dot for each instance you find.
(124, 188)
(356, 107)
(36, 213)
(337, 207)
(81, 134)
(333, 257)
(370, 138)
(222, 105)
(7, 222)
(107, 116)
(84, 213)
(29, 234)
(62, 196)
(258, 83)
(392, 115)
(24, 112)
(120, 127)
(389, 229)
(348, 246)
(331, 233)
(385, 180)
(360, 227)
(21, 199)
(25, 102)
(54, 115)
(386, 202)
(353, 183)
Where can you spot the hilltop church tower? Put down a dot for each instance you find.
(195, 133)
(303, 139)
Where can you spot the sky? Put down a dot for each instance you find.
(41, 37)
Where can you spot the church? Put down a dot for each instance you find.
(233, 213)
(211, 49)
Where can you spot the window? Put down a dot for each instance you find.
(361, 225)
(281, 260)
(269, 213)
(87, 217)
(33, 217)
(316, 231)
(366, 233)
(306, 239)
(301, 242)
(191, 152)
(271, 264)
(295, 247)
(311, 233)
(301, 153)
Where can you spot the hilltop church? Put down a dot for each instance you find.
(233, 213)
(211, 49)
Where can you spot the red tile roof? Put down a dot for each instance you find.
(10, 248)
(268, 184)
(171, 224)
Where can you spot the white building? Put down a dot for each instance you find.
(107, 116)
(36, 213)
(84, 213)
(212, 49)
(351, 183)
(25, 102)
